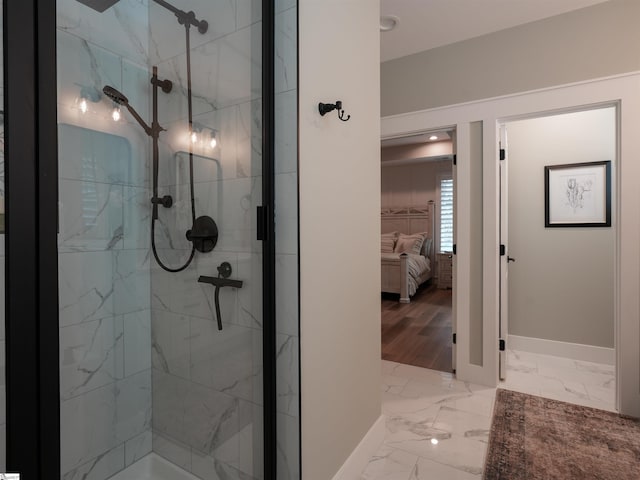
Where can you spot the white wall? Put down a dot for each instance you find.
(589, 43)
(339, 229)
(561, 286)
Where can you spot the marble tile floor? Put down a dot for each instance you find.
(437, 427)
(574, 381)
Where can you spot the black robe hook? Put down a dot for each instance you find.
(325, 108)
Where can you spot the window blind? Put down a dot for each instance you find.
(446, 215)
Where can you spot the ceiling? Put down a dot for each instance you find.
(426, 24)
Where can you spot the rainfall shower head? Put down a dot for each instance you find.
(115, 95)
(99, 5)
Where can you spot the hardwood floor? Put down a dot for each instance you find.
(418, 333)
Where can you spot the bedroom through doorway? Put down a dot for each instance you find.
(417, 237)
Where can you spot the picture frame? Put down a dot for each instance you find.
(578, 195)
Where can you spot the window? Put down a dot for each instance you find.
(446, 214)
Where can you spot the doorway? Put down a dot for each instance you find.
(557, 272)
(417, 197)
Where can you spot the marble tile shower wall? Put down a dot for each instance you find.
(103, 243)
(207, 384)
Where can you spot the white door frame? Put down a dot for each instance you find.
(504, 241)
(623, 90)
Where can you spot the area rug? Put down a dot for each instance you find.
(534, 438)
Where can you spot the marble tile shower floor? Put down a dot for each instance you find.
(437, 427)
(153, 467)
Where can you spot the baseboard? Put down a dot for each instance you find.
(575, 351)
(359, 458)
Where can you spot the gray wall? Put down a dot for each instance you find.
(589, 43)
(561, 287)
(412, 185)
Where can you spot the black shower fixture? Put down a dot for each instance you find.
(99, 5)
(115, 95)
(118, 98)
(204, 232)
(184, 18)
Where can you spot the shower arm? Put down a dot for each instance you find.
(185, 18)
(152, 131)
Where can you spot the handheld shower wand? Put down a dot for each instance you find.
(119, 98)
(153, 130)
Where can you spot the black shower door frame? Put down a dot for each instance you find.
(31, 274)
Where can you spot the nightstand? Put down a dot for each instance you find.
(445, 270)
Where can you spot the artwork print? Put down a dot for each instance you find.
(578, 195)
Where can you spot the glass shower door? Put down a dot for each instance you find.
(3, 418)
(160, 269)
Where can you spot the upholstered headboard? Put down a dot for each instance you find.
(410, 220)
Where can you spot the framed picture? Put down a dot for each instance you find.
(578, 195)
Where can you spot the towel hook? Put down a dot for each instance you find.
(325, 108)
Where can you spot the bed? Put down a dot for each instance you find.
(405, 265)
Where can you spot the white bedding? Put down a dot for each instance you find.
(417, 266)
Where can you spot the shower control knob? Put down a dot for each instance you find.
(203, 234)
(224, 270)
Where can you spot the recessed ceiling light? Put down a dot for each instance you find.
(433, 137)
(388, 22)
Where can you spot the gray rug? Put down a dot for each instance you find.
(534, 438)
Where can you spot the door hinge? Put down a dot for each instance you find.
(454, 248)
(263, 221)
(502, 345)
(503, 154)
(455, 159)
(454, 338)
(503, 250)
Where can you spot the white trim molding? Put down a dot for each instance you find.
(359, 458)
(574, 351)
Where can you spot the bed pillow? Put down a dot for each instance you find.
(426, 246)
(409, 243)
(387, 244)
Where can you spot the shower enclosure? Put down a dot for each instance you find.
(144, 366)
(169, 356)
